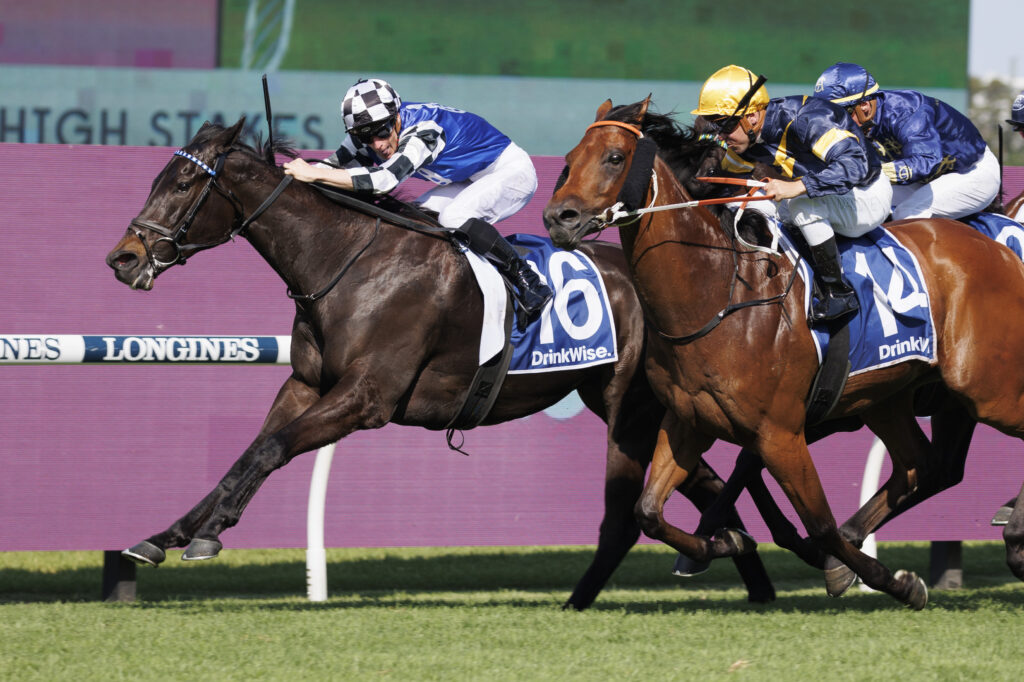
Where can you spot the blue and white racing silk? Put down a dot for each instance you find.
(436, 143)
(1004, 230)
(894, 322)
(576, 329)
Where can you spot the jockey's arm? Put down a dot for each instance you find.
(336, 177)
(784, 189)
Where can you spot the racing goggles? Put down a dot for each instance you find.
(373, 131)
(723, 125)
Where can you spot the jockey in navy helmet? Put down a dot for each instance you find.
(933, 155)
(1016, 119)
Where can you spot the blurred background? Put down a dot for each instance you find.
(94, 92)
(142, 72)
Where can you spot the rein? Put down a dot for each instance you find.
(174, 237)
(615, 213)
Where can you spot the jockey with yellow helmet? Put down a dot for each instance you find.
(831, 180)
(481, 175)
(935, 158)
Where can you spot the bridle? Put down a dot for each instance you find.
(615, 212)
(174, 236)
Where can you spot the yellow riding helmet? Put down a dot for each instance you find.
(722, 92)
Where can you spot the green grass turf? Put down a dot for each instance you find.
(494, 613)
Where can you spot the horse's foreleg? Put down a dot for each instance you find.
(788, 460)
(347, 407)
(293, 399)
(676, 454)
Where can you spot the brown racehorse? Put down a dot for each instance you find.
(1014, 206)
(747, 379)
(394, 341)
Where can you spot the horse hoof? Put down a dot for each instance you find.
(733, 542)
(917, 595)
(687, 567)
(200, 549)
(144, 554)
(838, 577)
(1002, 516)
(761, 595)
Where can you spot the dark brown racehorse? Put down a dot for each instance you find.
(395, 340)
(747, 379)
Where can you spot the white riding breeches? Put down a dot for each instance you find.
(952, 195)
(493, 194)
(852, 214)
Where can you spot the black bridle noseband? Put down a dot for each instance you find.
(174, 237)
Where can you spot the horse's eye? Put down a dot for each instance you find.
(616, 159)
(183, 186)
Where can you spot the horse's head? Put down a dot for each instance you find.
(169, 228)
(596, 170)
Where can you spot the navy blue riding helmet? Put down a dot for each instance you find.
(1016, 119)
(845, 84)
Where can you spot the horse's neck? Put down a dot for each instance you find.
(305, 240)
(681, 259)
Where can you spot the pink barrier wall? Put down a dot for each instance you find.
(136, 33)
(98, 457)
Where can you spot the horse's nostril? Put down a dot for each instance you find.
(569, 216)
(122, 260)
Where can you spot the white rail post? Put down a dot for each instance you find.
(868, 487)
(316, 554)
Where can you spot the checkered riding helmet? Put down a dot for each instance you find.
(845, 84)
(368, 102)
(1017, 111)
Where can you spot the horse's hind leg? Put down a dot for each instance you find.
(619, 528)
(704, 489)
(937, 465)
(790, 463)
(1013, 536)
(293, 398)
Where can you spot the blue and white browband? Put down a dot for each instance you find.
(196, 161)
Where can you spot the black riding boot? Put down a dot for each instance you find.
(484, 240)
(837, 296)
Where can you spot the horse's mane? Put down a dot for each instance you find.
(690, 152)
(261, 151)
(683, 148)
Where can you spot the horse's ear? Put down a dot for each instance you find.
(235, 131)
(643, 107)
(603, 110)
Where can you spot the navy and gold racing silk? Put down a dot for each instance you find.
(436, 143)
(920, 137)
(813, 140)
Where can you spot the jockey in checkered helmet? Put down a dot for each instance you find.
(369, 105)
(846, 84)
(389, 140)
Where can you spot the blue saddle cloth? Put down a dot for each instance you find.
(1001, 228)
(576, 329)
(894, 321)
